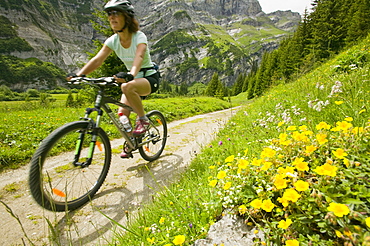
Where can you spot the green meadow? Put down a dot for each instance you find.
(294, 163)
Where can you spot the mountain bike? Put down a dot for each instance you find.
(71, 164)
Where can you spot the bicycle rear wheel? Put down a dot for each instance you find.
(154, 140)
(69, 166)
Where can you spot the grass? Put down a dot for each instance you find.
(24, 125)
(294, 162)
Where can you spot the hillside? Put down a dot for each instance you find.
(189, 39)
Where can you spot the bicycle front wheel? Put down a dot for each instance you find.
(152, 143)
(69, 166)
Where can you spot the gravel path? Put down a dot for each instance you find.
(127, 185)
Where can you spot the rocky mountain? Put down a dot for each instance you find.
(189, 39)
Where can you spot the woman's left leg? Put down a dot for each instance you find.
(133, 91)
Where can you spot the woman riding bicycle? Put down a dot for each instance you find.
(131, 46)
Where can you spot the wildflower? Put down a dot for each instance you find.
(268, 152)
(338, 102)
(212, 167)
(300, 137)
(340, 154)
(283, 139)
(303, 128)
(212, 183)
(281, 123)
(266, 165)
(229, 159)
(256, 203)
(291, 195)
(283, 201)
(227, 186)
(267, 205)
(284, 224)
(291, 128)
(280, 183)
(322, 125)
(326, 169)
(300, 164)
(310, 149)
(292, 242)
(161, 221)
(220, 143)
(284, 171)
(348, 119)
(346, 162)
(301, 185)
(151, 241)
(321, 138)
(221, 174)
(256, 162)
(367, 221)
(246, 151)
(338, 209)
(362, 111)
(242, 209)
(344, 125)
(357, 130)
(338, 233)
(179, 240)
(242, 164)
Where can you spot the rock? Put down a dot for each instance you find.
(230, 231)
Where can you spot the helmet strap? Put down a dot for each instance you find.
(125, 26)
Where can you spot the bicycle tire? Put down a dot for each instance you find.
(154, 138)
(55, 182)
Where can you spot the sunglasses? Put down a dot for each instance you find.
(114, 13)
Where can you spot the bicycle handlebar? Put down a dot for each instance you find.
(94, 81)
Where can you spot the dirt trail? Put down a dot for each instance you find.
(128, 184)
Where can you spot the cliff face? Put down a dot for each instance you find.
(190, 39)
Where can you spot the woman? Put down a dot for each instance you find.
(130, 45)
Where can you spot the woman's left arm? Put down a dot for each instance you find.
(138, 60)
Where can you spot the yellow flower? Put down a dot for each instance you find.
(348, 119)
(179, 240)
(303, 128)
(283, 201)
(310, 149)
(221, 174)
(344, 125)
(266, 165)
(338, 209)
(161, 221)
(284, 171)
(256, 203)
(338, 102)
(280, 182)
(246, 151)
(292, 242)
(357, 130)
(256, 162)
(267, 205)
(346, 162)
(339, 153)
(281, 123)
(212, 167)
(326, 169)
(323, 125)
(300, 164)
(284, 224)
(268, 152)
(242, 209)
(362, 111)
(367, 221)
(291, 195)
(230, 159)
(227, 186)
(301, 185)
(321, 138)
(212, 183)
(291, 128)
(150, 240)
(242, 164)
(338, 233)
(300, 137)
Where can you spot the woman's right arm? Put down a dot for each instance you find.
(96, 61)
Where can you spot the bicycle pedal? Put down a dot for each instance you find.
(125, 155)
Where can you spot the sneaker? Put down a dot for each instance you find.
(141, 127)
(126, 153)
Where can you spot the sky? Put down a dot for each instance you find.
(299, 6)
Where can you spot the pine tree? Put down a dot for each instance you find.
(213, 85)
(238, 85)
